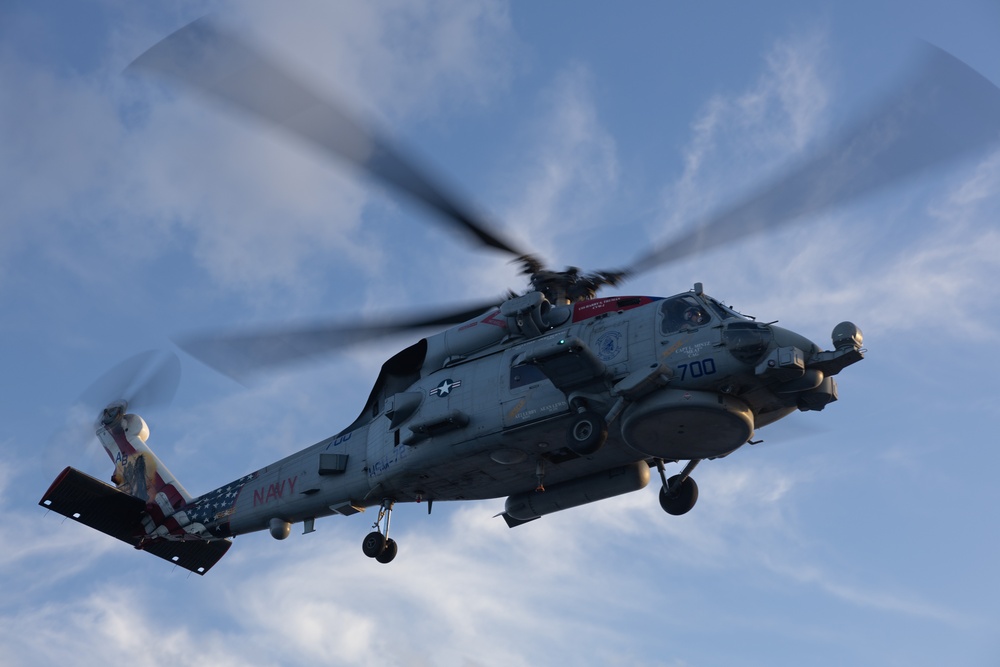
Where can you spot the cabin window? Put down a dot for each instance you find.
(525, 374)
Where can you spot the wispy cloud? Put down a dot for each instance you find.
(739, 136)
(464, 583)
(889, 265)
(154, 172)
(399, 59)
(895, 267)
(865, 595)
(569, 167)
(561, 171)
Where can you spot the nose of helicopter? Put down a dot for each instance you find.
(751, 342)
(786, 338)
(786, 361)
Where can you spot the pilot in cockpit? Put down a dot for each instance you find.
(694, 317)
(682, 313)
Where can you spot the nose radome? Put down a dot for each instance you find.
(786, 338)
(747, 341)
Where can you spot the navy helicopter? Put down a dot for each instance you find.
(552, 398)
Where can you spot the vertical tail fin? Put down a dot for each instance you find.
(148, 509)
(138, 471)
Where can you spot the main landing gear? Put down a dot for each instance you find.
(378, 544)
(679, 493)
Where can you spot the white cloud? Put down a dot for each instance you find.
(559, 175)
(969, 198)
(796, 89)
(461, 588)
(739, 137)
(864, 595)
(400, 59)
(891, 265)
(139, 174)
(935, 254)
(569, 167)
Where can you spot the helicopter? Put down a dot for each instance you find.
(554, 397)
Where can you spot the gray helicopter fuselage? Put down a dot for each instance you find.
(482, 410)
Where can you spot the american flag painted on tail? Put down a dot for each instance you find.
(147, 508)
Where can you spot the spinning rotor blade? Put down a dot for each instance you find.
(148, 379)
(211, 61)
(946, 111)
(241, 354)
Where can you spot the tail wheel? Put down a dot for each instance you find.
(587, 433)
(678, 497)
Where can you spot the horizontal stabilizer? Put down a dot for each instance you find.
(93, 503)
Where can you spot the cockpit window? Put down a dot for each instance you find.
(682, 313)
(720, 310)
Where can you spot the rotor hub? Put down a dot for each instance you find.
(114, 412)
(569, 286)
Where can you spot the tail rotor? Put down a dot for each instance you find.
(146, 380)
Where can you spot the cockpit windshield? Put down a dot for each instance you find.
(722, 311)
(683, 313)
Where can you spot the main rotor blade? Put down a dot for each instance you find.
(242, 354)
(946, 111)
(219, 65)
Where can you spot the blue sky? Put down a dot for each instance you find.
(130, 212)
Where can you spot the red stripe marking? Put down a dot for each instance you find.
(174, 527)
(155, 513)
(584, 310)
(126, 447)
(173, 496)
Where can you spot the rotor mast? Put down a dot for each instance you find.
(562, 288)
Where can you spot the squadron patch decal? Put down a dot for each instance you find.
(609, 345)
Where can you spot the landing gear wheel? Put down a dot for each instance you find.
(375, 544)
(587, 433)
(681, 498)
(389, 552)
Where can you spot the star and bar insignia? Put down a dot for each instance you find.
(445, 387)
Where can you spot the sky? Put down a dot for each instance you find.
(132, 212)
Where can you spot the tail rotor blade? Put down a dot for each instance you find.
(146, 380)
(116, 383)
(158, 386)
